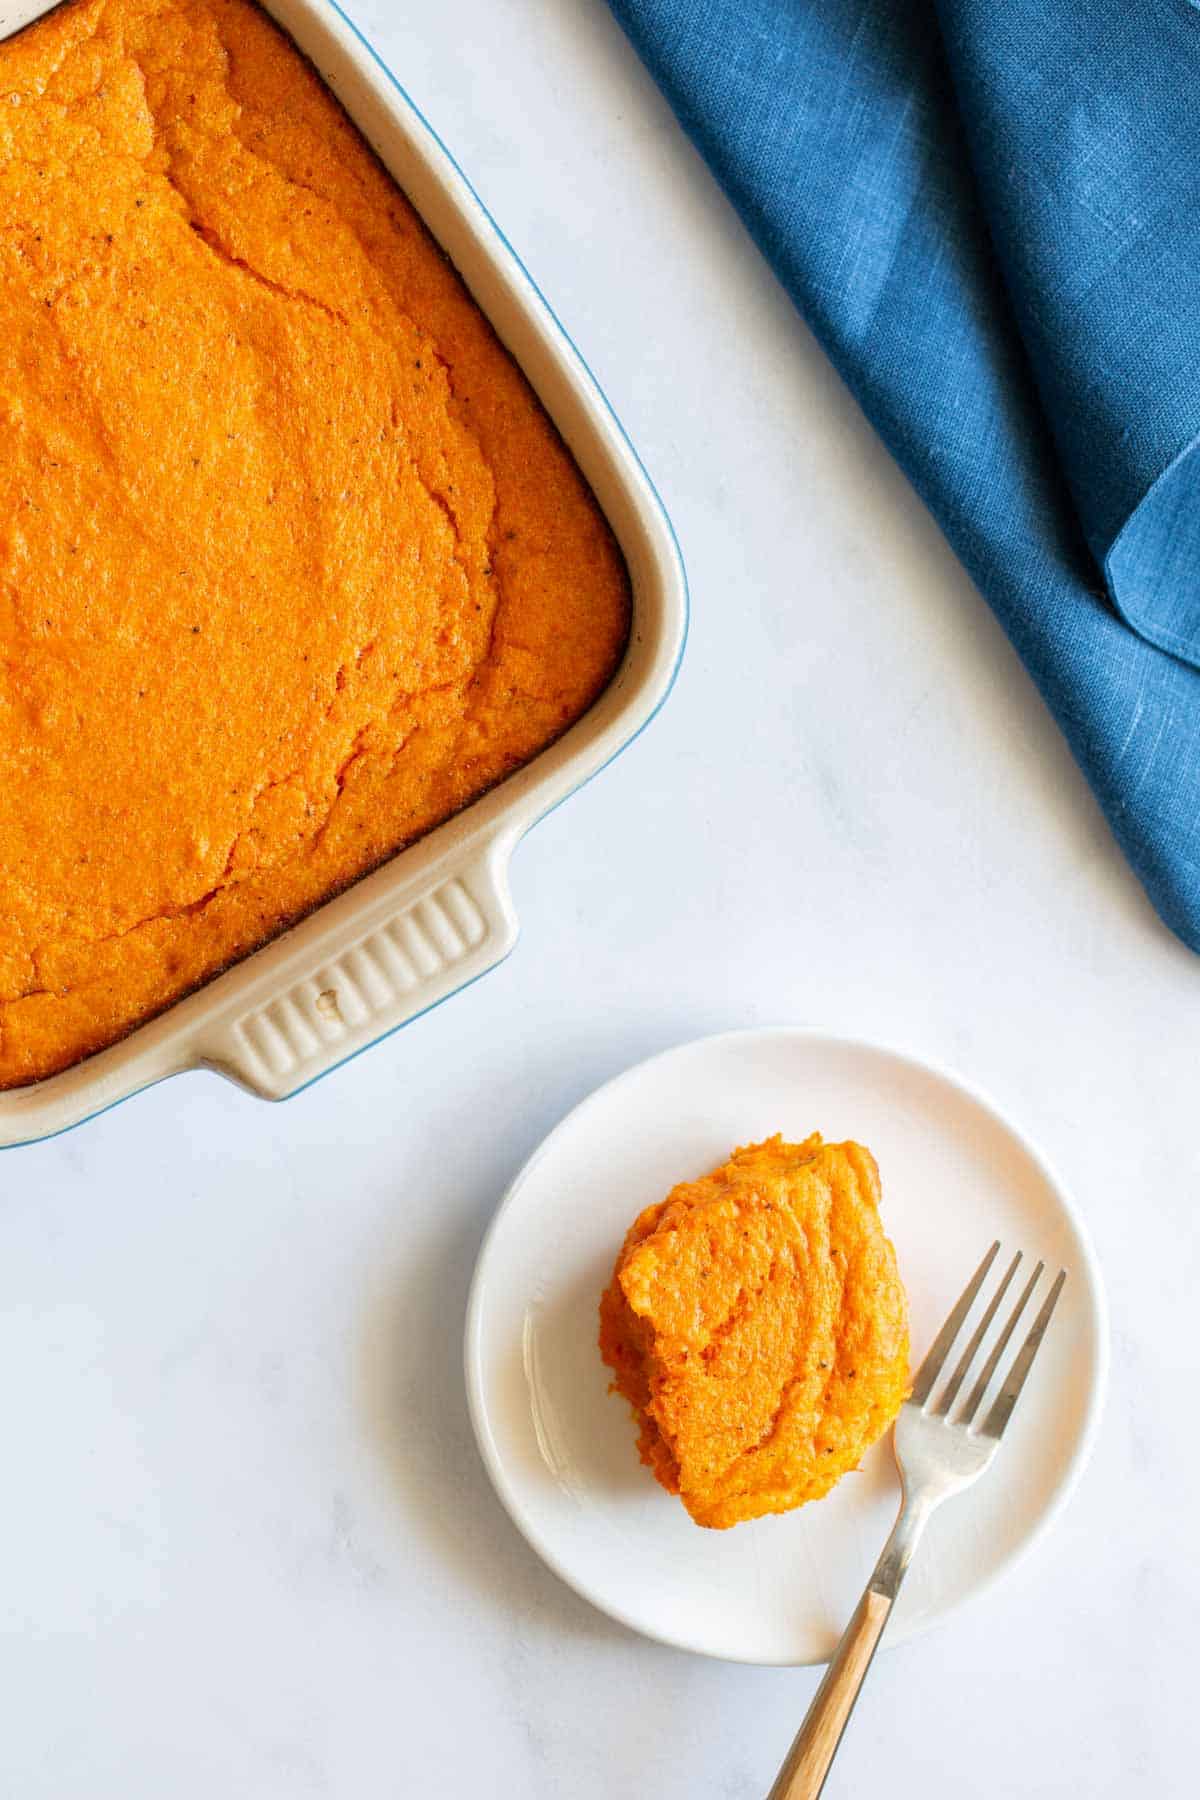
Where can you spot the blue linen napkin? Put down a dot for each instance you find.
(990, 216)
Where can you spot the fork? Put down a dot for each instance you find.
(937, 1456)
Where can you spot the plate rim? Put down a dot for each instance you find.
(1090, 1271)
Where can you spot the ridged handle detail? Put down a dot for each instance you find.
(427, 948)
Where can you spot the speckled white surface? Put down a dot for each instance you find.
(248, 1548)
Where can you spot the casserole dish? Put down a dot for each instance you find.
(438, 914)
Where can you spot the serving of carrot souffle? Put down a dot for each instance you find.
(292, 564)
(757, 1324)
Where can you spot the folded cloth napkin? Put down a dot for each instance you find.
(990, 216)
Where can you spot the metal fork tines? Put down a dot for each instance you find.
(935, 1361)
(939, 1447)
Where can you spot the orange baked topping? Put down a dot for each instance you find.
(756, 1322)
(292, 565)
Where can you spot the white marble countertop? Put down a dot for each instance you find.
(249, 1547)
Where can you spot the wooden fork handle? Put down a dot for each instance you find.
(808, 1762)
(803, 1774)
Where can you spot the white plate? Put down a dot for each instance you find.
(560, 1448)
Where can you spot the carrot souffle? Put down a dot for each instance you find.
(756, 1322)
(292, 565)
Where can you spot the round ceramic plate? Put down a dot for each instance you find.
(560, 1447)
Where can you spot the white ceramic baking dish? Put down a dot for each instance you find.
(439, 914)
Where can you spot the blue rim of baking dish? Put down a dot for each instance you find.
(572, 346)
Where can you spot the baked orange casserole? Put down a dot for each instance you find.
(756, 1323)
(292, 565)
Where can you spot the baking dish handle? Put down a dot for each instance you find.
(336, 996)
